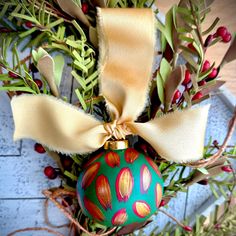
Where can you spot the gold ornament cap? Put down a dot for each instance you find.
(116, 144)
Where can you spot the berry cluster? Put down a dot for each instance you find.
(223, 32)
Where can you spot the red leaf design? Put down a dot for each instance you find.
(93, 210)
(124, 184)
(103, 191)
(112, 159)
(145, 179)
(92, 160)
(141, 209)
(131, 155)
(158, 193)
(154, 166)
(119, 217)
(90, 174)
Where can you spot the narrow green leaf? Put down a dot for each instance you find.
(211, 27)
(70, 175)
(214, 191)
(59, 63)
(91, 77)
(160, 88)
(28, 18)
(77, 26)
(82, 102)
(55, 23)
(80, 66)
(165, 69)
(23, 89)
(79, 79)
(28, 32)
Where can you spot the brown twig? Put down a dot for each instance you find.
(172, 217)
(36, 229)
(216, 156)
(53, 195)
(47, 221)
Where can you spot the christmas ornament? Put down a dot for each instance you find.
(120, 187)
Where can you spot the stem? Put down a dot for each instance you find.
(172, 217)
(199, 32)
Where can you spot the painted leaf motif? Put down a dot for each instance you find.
(158, 193)
(92, 160)
(112, 159)
(103, 191)
(119, 217)
(93, 210)
(124, 184)
(154, 166)
(141, 209)
(145, 179)
(90, 174)
(131, 155)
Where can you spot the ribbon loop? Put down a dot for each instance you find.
(126, 55)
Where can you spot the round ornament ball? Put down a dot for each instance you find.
(120, 187)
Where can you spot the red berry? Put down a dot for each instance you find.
(227, 169)
(39, 148)
(221, 31)
(217, 226)
(177, 95)
(29, 24)
(85, 8)
(202, 83)
(50, 172)
(67, 162)
(12, 75)
(197, 96)
(162, 203)
(227, 37)
(39, 83)
(213, 73)
(203, 182)
(187, 77)
(143, 147)
(188, 228)
(190, 46)
(206, 65)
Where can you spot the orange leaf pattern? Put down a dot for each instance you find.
(103, 191)
(141, 209)
(90, 174)
(131, 155)
(93, 209)
(145, 179)
(124, 184)
(112, 159)
(119, 217)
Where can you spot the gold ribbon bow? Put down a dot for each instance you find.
(127, 38)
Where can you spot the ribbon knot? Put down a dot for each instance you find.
(126, 51)
(118, 131)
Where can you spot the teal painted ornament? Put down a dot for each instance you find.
(120, 187)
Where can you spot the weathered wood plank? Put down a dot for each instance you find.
(18, 214)
(22, 176)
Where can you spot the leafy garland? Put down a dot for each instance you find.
(53, 27)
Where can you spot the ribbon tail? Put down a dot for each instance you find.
(177, 136)
(56, 124)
